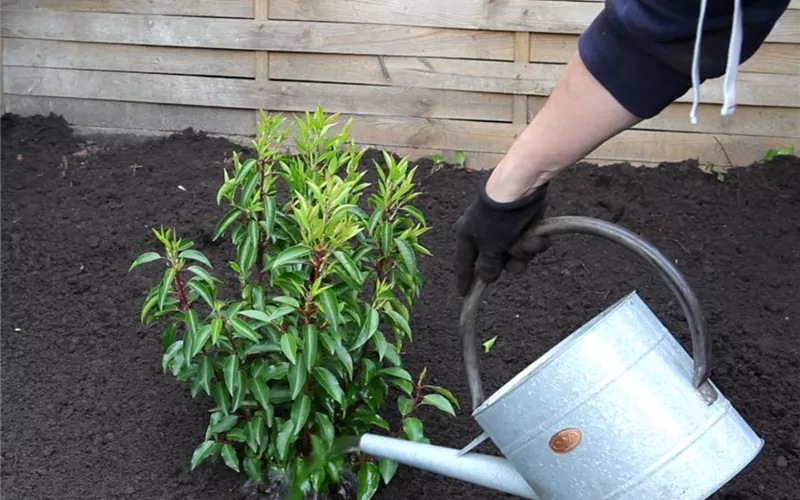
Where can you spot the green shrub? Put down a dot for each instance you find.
(309, 347)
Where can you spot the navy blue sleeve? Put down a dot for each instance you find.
(641, 50)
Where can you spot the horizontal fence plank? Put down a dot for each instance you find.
(215, 8)
(454, 74)
(654, 147)
(753, 89)
(435, 73)
(130, 58)
(249, 94)
(780, 58)
(242, 34)
(136, 115)
(484, 143)
(548, 16)
(747, 120)
(632, 145)
(509, 15)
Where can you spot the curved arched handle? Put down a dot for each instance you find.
(701, 344)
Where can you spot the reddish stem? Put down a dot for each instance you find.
(181, 290)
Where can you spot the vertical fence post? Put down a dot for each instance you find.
(522, 57)
(261, 12)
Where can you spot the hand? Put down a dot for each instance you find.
(489, 233)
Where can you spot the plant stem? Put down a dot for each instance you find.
(181, 288)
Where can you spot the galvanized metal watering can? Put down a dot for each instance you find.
(617, 410)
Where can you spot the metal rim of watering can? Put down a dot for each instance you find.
(701, 343)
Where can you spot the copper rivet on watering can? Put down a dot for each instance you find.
(565, 440)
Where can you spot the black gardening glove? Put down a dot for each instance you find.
(488, 236)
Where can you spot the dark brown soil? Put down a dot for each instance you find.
(88, 414)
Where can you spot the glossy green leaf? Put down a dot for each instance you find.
(395, 371)
(230, 367)
(330, 306)
(225, 424)
(300, 411)
(205, 371)
(345, 358)
(368, 328)
(388, 469)
(241, 390)
(144, 259)
(203, 275)
(243, 329)
(289, 347)
(412, 426)
(284, 438)
(201, 339)
(407, 253)
(329, 382)
(440, 402)
(266, 371)
(269, 215)
(368, 480)
(293, 254)
(404, 385)
(286, 300)
(203, 451)
(226, 221)
(238, 434)
(260, 391)
(325, 427)
(166, 286)
(349, 266)
(380, 344)
(400, 322)
(216, 330)
(221, 397)
(310, 345)
(262, 348)
(405, 405)
(203, 290)
(230, 457)
(275, 315)
(196, 255)
(297, 377)
(254, 470)
(444, 392)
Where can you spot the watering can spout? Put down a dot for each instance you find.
(484, 470)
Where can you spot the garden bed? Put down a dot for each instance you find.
(88, 413)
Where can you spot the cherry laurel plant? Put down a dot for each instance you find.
(308, 349)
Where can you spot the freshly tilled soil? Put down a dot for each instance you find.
(88, 414)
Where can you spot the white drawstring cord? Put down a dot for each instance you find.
(731, 69)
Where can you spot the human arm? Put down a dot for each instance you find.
(633, 61)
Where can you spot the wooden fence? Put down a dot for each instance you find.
(419, 76)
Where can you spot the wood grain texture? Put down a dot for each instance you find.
(747, 120)
(249, 94)
(542, 16)
(130, 58)
(509, 15)
(642, 146)
(215, 8)
(136, 115)
(484, 143)
(778, 58)
(244, 34)
(428, 72)
(490, 76)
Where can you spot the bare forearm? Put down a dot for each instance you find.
(579, 116)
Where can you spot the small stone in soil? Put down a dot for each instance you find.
(781, 462)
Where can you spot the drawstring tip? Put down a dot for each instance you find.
(693, 119)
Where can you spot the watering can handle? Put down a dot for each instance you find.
(701, 344)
